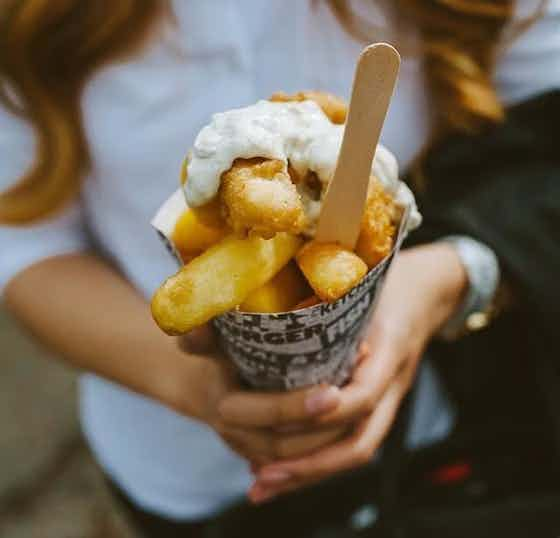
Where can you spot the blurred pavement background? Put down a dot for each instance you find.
(49, 485)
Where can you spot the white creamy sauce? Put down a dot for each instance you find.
(296, 131)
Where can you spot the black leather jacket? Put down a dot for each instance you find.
(503, 188)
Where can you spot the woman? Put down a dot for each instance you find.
(113, 92)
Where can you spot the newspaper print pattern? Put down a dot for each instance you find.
(305, 347)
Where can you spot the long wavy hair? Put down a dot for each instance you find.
(49, 49)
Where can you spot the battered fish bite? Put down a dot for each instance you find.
(258, 197)
(331, 270)
(334, 107)
(378, 228)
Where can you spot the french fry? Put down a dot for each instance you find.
(191, 236)
(281, 294)
(331, 270)
(184, 165)
(209, 214)
(220, 279)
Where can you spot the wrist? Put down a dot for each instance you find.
(178, 380)
(193, 382)
(483, 274)
(454, 283)
(444, 279)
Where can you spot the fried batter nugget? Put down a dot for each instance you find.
(259, 198)
(331, 270)
(333, 107)
(378, 226)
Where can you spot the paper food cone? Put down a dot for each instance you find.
(296, 349)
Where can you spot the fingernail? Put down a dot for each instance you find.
(274, 475)
(321, 400)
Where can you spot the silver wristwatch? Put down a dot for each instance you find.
(483, 271)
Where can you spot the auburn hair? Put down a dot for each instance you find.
(47, 52)
(49, 49)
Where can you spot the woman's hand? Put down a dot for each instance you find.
(422, 290)
(258, 430)
(125, 345)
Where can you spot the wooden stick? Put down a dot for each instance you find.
(343, 205)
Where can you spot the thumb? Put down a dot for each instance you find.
(201, 341)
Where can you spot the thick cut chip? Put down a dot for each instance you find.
(331, 270)
(259, 198)
(333, 107)
(378, 228)
(210, 214)
(191, 237)
(281, 294)
(219, 280)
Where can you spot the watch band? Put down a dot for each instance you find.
(483, 272)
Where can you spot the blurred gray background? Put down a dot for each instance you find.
(49, 485)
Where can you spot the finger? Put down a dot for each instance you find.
(254, 467)
(241, 450)
(254, 445)
(352, 452)
(369, 382)
(253, 409)
(290, 446)
(260, 492)
(201, 340)
(364, 351)
(294, 427)
(265, 446)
